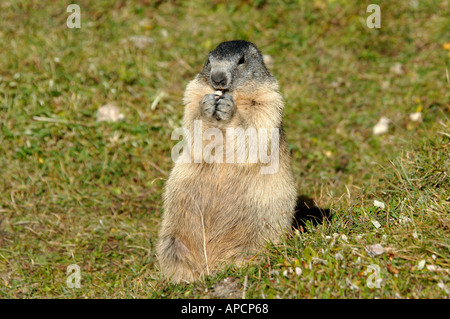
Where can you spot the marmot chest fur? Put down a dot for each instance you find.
(234, 189)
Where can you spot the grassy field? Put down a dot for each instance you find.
(77, 191)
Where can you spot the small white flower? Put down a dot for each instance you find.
(298, 271)
(378, 204)
(421, 264)
(285, 273)
(164, 33)
(375, 223)
(416, 116)
(382, 126)
(415, 236)
(432, 267)
(344, 238)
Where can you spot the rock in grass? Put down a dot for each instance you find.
(268, 60)
(109, 113)
(397, 68)
(382, 126)
(375, 250)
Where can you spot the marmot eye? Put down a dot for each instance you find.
(241, 60)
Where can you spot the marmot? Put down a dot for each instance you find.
(217, 213)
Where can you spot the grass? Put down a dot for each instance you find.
(75, 191)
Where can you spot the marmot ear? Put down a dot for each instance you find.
(208, 62)
(253, 50)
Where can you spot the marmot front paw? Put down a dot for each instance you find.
(208, 105)
(219, 107)
(225, 107)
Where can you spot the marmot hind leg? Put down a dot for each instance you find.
(175, 260)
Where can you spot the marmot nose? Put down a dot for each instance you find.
(219, 79)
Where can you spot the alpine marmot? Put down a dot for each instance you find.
(220, 208)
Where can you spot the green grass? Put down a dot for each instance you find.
(74, 191)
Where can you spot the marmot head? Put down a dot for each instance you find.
(235, 64)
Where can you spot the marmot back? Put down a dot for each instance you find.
(222, 204)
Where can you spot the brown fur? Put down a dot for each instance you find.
(221, 212)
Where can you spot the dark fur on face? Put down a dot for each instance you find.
(234, 64)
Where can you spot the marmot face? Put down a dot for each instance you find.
(235, 64)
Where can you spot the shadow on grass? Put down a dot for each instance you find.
(307, 210)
